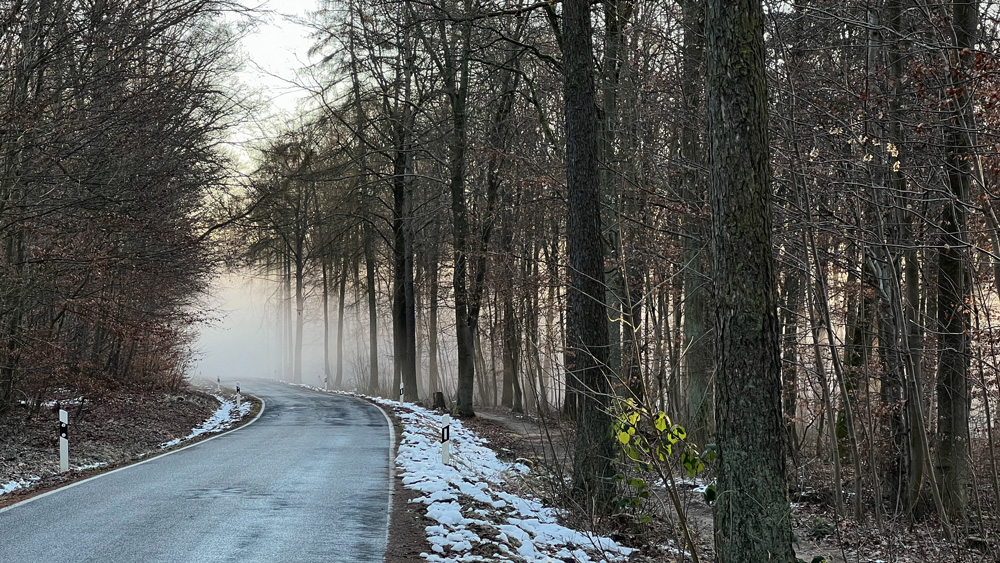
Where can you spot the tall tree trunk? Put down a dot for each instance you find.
(586, 328)
(340, 323)
(511, 358)
(289, 342)
(751, 513)
(326, 324)
(434, 378)
(953, 273)
(372, 311)
(790, 357)
(457, 78)
(300, 309)
(698, 351)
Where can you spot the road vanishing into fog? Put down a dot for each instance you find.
(309, 481)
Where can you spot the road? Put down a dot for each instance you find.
(309, 481)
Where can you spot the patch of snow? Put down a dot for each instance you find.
(62, 402)
(11, 486)
(469, 506)
(224, 417)
(88, 466)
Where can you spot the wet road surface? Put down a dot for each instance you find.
(308, 481)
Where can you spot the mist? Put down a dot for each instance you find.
(242, 342)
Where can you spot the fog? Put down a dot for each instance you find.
(242, 342)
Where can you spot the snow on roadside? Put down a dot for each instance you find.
(11, 486)
(475, 518)
(224, 417)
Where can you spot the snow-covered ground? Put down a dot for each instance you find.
(224, 418)
(475, 517)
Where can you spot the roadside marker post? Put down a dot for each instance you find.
(446, 439)
(401, 392)
(237, 394)
(63, 441)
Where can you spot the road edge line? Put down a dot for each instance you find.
(131, 465)
(392, 472)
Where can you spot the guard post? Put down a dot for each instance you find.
(63, 441)
(446, 439)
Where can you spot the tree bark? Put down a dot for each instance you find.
(698, 351)
(372, 311)
(751, 513)
(586, 325)
(340, 323)
(953, 274)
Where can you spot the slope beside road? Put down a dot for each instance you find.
(309, 481)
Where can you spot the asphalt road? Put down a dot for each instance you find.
(309, 481)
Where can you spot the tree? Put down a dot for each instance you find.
(586, 327)
(751, 513)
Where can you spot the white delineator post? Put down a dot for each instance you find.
(400, 392)
(63, 441)
(237, 395)
(446, 439)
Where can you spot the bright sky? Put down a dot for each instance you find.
(276, 50)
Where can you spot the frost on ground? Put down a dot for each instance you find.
(224, 417)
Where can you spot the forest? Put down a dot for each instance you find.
(748, 240)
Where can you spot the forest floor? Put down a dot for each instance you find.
(547, 446)
(107, 431)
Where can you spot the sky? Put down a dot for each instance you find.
(276, 49)
(240, 343)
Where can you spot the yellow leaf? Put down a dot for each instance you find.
(661, 422)
(624, 437)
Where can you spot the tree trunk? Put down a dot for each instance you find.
(434, 378)
(953, 275)
(751, 513)
(340, 323)
(300, 309)
(458, 78)
(372, 312)
(326, 325)
(698, 351)
(586, 327)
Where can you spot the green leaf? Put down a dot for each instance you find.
(637, 483)
(710, 494)
(679, 431)
(624, 437)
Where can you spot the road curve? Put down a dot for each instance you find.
(309, 481)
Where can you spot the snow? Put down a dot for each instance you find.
(475, 518)
(224, 417)
(16, 484)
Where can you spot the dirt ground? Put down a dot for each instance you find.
(112, 430)
(818, 533)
